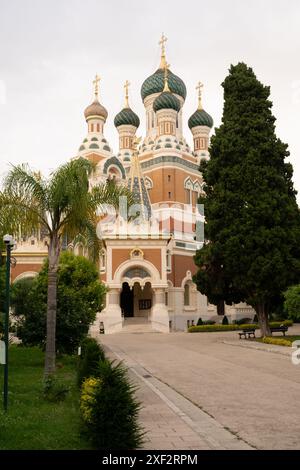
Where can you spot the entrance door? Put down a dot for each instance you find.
(126, 300)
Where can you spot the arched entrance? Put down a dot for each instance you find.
(136, 300)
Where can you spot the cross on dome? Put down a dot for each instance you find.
(162, 43)
(96, 85)
(199, 88)
(126, 86)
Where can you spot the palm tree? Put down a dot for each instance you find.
(62, 205)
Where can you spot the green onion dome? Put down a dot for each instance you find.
(127, 117)
(155, 84)
(200, 118)
(95, 109)
(166, 100)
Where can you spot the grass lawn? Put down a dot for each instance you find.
(31, 422)
(279, 340)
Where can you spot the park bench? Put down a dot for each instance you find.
(247, 333)
(280, 329)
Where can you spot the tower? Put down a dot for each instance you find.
(200, 124)
(126, 122)
(152, 87)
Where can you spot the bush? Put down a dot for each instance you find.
(91, 354)
(276, 341)
(79, 297)
(212, 328)
(277, 324)
(292, 303)
(110, 410)
(54, 390)
(209, 322)
(225, 321)
(199, 322)
(244, 321)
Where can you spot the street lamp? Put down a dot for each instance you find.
(9, 243)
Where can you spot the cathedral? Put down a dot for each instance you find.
(146, 260)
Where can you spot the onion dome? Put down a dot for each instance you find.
(200, 117)
(155, 84)
(95, 109)
(166, 100)
(126, 116)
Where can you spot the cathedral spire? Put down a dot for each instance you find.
(162, 43)
(136, 183)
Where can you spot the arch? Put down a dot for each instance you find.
(188, 184)
(148, 182)
(154, 275)
(115, 162)
(197, 186)
(25, 275)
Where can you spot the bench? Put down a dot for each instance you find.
(280, 329)
(247, 333)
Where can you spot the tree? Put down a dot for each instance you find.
(252, 248)
(63, 205)
(79, 297)
(292, 302)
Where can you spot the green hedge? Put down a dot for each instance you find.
(216, 328)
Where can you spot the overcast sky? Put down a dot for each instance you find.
(50, 52)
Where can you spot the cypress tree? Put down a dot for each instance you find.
(252, 248)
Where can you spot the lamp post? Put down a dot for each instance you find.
(9, 243)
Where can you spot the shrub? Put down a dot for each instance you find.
(110, 410)
(276, 341)
(54, 390)
(88, 398)
(292, 303)
(244, 321)
(277, 324)
(209, 322)
(212, 328)
(79, 297)
(91, 354)
(199, 322)
(225, 321)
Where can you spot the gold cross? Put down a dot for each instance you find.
(126, 86)
(199, 88)
(162, 43)
(96, 85)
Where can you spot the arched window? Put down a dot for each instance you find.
(168, 261)
(187, 299)
(102, 261)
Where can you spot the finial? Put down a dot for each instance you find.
(126, 86)
(166, 70)
(199, 88)
(162, 43)
(96, 85)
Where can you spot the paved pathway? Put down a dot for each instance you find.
(201, 391)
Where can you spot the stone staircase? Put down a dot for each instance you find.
(137, 325)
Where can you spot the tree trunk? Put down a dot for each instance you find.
(221, 307)
(53, 254)
(262, 315)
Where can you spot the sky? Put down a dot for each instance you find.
(50, 52)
